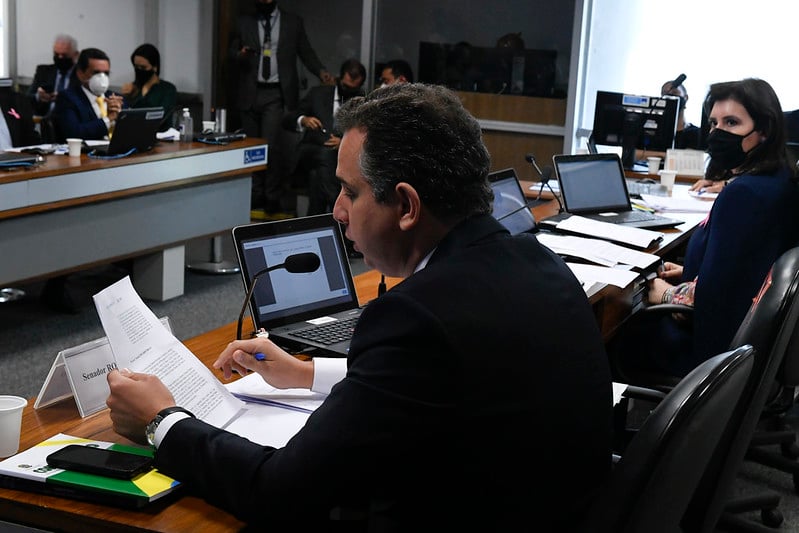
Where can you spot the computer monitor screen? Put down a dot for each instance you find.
(635, 121)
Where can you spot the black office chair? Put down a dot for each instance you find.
(653, 482)
(771, 326)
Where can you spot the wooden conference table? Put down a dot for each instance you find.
(69, 214)
(188, 513)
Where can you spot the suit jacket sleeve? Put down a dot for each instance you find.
(45, 78)
(306, 52)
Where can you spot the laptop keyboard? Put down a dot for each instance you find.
(330, 333)
(628, 216)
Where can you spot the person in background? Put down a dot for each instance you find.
(86, 110)
(752, 222)
(396, 71)
(263, 54)
(17, 127)
(432, 423)
(51, 79)
(147, 88)
(686, 135)
(318, 150)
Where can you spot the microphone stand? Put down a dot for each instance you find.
(255, 279)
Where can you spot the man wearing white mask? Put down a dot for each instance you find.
(87, 110)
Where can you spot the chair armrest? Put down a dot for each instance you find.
(643, 393)
(668, 308)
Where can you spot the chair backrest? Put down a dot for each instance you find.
(652, 484)
(771, 327)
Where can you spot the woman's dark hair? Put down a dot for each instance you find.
(150, 53)
(762, 104)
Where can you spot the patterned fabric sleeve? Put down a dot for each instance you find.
(680, 294)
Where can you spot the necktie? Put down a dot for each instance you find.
(101, 103)
(266, 50)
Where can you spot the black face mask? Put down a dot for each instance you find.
(63, 63)
(264, 10)
(347, 92)
(726, 149)
(142, 76)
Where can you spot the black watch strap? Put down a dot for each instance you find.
(163, 413)
(149, 431)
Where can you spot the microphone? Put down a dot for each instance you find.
(295, 264)
(678, 81)
(545, 176)
(381, 287)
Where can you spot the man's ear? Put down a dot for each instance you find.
(409, 205)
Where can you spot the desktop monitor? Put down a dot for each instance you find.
(635, 122)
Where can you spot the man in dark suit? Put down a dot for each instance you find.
(263, 52)
(51, 79)
(318, 149)
(482, 374)
(86, 110)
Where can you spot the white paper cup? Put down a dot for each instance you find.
(10, 424)
(654, 164)
(74, 147)
(667, 178)
(209, 125)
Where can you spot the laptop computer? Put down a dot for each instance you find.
(511, 208)
(594, 186)
(17, 159)
(134, 131)
(299, 309)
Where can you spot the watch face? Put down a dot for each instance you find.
(149, 431)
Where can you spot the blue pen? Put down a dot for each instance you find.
(259, 356)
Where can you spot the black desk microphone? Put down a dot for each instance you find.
(545, 175)
(295, 264)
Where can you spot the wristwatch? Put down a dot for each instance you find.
(149, 431)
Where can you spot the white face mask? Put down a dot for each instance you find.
(383, 85)
(98, 83)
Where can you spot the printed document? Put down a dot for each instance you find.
(140, 342)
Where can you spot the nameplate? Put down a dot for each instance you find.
(81, 372)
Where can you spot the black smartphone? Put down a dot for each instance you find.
(91, 460)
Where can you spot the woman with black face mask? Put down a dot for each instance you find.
(147, 88)
(754, 219)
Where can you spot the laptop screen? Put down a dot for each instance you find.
(592, 183)
(282, 297)
(510, 205)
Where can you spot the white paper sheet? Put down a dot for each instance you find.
(596, 250)
(642, 238)
(142, 343)
(613, 276)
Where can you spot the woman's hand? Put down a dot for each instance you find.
(670, 271)
(657, 287)
(708, 186)
(278, 368)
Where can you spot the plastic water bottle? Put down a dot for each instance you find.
(186, 126)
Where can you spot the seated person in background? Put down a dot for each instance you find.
(396, 71)
(86, 110)
(51, 79)
(431, 425)
(752, 222)
(17, 127)
(686, 135)
(147, 88)
(318, 148)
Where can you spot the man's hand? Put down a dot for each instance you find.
(113, 106)
(327, 78)
(134, 401)
(278, 368)
(44, 96)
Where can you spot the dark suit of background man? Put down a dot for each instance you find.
(279, 37)
(318, 150)
(50, 79)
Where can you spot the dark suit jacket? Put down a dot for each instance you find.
(317, 102)
(75, 117)
(44, 77)
(292, 43)
(18, 115)
(469, 383)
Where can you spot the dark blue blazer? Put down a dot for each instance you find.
(480, 374)
(74, 116)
